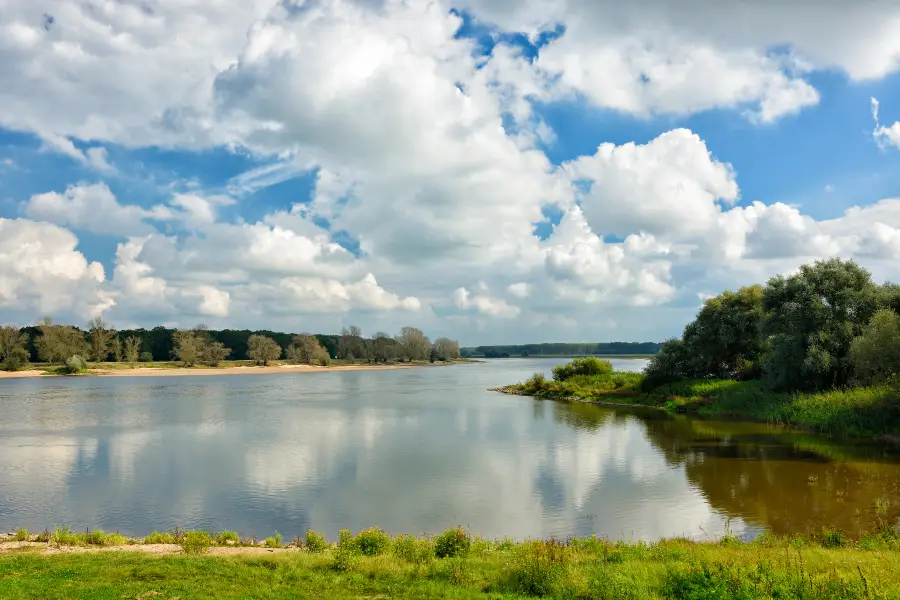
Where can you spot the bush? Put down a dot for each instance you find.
(159, 538)
(413, 550)
(588, 365)
(16, 361)
(876, 353)
(100, 538)
(316, 542)
(453, 542)
(372, 542)
(667, 365)
(76, 364)
(22, 535)
(541, 569)
(196, 542)
(226, 537)
(146, 357)
(273, 542)
(535, 382)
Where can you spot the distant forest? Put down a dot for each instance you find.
(583, 349)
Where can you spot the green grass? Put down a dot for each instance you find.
(859, 412)
(824, 566)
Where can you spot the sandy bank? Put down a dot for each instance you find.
(160, 372)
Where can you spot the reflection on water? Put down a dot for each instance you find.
(411, 451)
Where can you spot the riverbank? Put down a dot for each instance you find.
(860, 412)
(454, 564)
(246, 368)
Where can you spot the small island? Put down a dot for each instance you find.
(817, 350)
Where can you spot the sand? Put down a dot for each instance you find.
(157, 372)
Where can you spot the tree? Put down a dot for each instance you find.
(446, 349)
(876, 352)
(214, 353)
(100, 337)
(668, 365)
(132, 348)
(384, 347)
(262, 349)
(812, 318)
(58, 342)
(414, 344)
(305, 349)
(187, 347)
(116, 351)
(351, 344)
(13, 355)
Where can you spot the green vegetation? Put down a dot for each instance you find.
(564, 350)
(818, 350)
(827, 565)
(53, 345)
(75, 364)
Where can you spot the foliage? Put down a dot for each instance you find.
(146, 357)
(214, 353)
(22, 535)
(262, 349)
(99, 340)
(195, 542)
(668, 365)
(273, 542)
(133, 349)
(56, 343)
(305, 349)
(413, 344)
(316, 542)
(541, 568)
(562, 349)
(372, 541)
(226, 537)
(76, 364)
(187, 347)
(446, 349)
(875, 354)
(13, 355)
(589, 365)
(413, 550)
(455, 541)
(159, 538)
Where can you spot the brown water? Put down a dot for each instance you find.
(411, 451)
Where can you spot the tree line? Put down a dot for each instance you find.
(827, 326)
(50, 342)
(556, 349)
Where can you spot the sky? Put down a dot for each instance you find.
(496, 171)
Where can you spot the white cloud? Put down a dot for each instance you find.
(885, 136)
(91, 208)
(41, 271)
(520, 289)
(484, 304)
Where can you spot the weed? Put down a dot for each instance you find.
(273, 542)
(456, 570)
(22, 535)
(372, 541)
(413, 550)
(159, 538)
(227, 537)
(541, 569)
(316, 542)
(453, 542)
(195, 542)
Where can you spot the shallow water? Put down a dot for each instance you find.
(411, 451)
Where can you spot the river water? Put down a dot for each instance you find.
(411, 451)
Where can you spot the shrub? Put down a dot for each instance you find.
(453, 542)
(17, 360)
(226, 537)
(195, 542)
(372, 542)
(273, 542)
(76, 364)
(100, 538)
(22, 535)
(347, 549)
(413, 550)
(535, 382)
(159, 538)
(456, 570)
(588, 365)
(146, 357)
(876, 353)
(316, 542)
(63, 536)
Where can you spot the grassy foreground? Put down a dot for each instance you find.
(872, 411)
(372, 565)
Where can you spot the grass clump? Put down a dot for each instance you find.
(541, 568)
(76, 364)
(160, 538)
(372, 541)
(316, 542)
(273, 542)
(22, 535)
(455, 541)
(413, 550)
(195, 542)
(228, 537)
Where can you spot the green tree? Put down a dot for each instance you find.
(351, 344)
(875, 353)
(187, 347)
(116, 351)
(384, 347)
(13, 353)
(214, 353)
(413, 344)
(668, 365)
(132, 348)
(100, 337)
(305, 349)
(262, 349)
(446, 349)
(58, 342)
(811, 320)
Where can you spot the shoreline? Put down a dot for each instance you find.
(236, 370)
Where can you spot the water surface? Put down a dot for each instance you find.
(412, 451)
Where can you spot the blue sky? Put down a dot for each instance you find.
(403, 203)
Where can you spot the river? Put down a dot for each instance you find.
(411, 451)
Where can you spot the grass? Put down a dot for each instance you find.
(373, 565)
(859, 412)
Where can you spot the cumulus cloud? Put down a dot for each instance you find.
(885, 136)
(484, 304)
(42, 270)
(92, 208)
